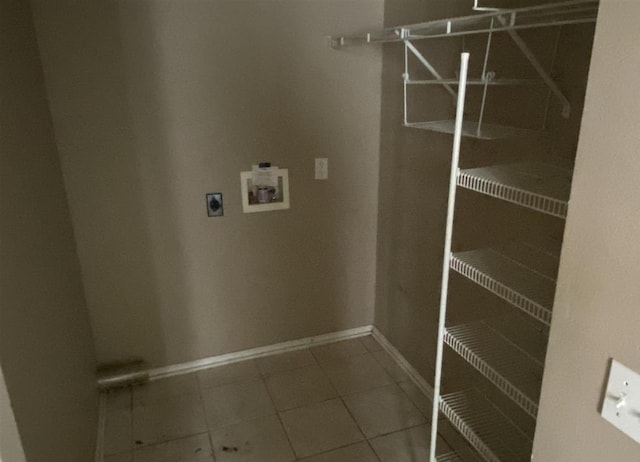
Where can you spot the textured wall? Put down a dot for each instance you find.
(46, 349)
(156, 103)
(596, 314)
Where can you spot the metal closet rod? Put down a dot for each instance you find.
(548, 15)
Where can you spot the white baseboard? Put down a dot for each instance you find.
(253, 353)
(415, 376)
(221, 360)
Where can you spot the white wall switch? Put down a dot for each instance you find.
(621, 404)
(322, 168)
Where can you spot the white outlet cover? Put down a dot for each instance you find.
(322, 168)
(621, 404)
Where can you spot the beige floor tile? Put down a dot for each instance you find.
(118, 399)
(166, 420)
(127, 457)
(320, 427)
(360, 452)
(159, 390)
(195, 448)
(391, 366)
(407, 446)
(338, 350)
(419, 399)
(256, 440)
(285, 361)
(300, 387)
(370, 343)
(231, 373)
(383, 410)
(118, 432)
(356, 374)
(235, 402)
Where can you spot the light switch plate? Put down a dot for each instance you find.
(322, 168)
(621, 405)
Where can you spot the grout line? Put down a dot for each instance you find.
(337, 448)
(284, 430)
(400, 430)
(284, 371)
(340, 396)
(375, 454)
(373, 354)
(204, 412)
(102, 421)
(132, 446)
(320, 361)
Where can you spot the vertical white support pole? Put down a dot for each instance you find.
(544, 75)
(405, 78)
(485, 77)
(553, 66)
(444, 288)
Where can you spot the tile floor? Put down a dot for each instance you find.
(343, 402)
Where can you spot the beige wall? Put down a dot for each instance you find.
(156, 103)
(10, 445)
(412, 191)
(46, 349)
(596, 315)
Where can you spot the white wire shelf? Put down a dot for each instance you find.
(542, 186)
(528, 290)
(490, 432)
(554, 14)
(454, 457)
(477, 82)
(507, 366)
(530, 337)
(470, 129)
(450, 457)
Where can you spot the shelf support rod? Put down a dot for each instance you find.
(486, 78)
(478, 7)
(446, 259)
(429, 67)
(405, 79)
(544, 75)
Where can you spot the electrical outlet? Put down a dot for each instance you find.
(322, 168)
(214, 205)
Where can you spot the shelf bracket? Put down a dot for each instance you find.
(478, 7)
(429, 67)
(544, 75)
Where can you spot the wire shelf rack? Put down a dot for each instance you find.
(528, 335)
(456, 457)
(478, 82)
(450, 457)
(474, 130)
(490, 432)
(542, 186)
(557, 14)
(506, 365)
(526, 289)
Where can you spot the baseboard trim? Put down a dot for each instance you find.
(254, 353)
(102, 420)
(284, 347)
(415, 376)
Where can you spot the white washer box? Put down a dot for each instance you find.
(282, 199)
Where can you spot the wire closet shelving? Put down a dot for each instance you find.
(507, 352)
